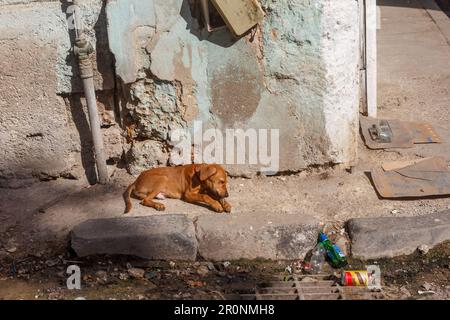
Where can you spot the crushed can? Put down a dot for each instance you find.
(355, 278)
(370, 278)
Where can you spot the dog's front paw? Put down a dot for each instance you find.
(226, 206)
(160, 207)
(217, 207)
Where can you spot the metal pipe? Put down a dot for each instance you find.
(205, 10)
(89, 92)
(83, 50)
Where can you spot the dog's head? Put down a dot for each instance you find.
(213, 179)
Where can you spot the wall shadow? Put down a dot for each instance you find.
(191, 12)
(79, 117)
(104, 64)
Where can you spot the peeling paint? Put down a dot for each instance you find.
(294, 72)
(154, 109)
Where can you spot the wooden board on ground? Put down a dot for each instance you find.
(239, 15)
(429, 177)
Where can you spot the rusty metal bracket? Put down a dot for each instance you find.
(83, 50)
(393, 133)
(239, 16)
(381, 132)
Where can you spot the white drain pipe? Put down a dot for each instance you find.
(83, 49)
(370, 15)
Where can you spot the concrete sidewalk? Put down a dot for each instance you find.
(414, 68)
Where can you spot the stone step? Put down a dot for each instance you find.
(250, 236)
(387, 237)
(158, 237)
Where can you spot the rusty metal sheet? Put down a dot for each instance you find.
(430, 177)
(405, 133)
(239, 15)
(393, 165)
(423, 132)
(401, 135)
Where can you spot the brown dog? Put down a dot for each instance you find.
(194, 183)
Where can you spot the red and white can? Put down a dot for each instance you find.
(355, 278)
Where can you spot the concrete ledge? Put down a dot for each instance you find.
(386, 237)
(160, 237)
(269, 236)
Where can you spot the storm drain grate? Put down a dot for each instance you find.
(304, 287)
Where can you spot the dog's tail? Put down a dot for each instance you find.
(126, 197)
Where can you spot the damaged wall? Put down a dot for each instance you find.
(44, 131)
(298, 72)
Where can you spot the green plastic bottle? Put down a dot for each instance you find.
(334, 254)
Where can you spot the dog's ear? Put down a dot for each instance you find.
(206, 171)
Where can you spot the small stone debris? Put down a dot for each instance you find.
(426, 292)
(226, 264)
(123, 276)
(405, 292)
(11, 249)
(136, 273)
(52, 262)
(423, 249)
(193, 283)
(101, 276)
(149, 275)
(426, 286)
(202, 270)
